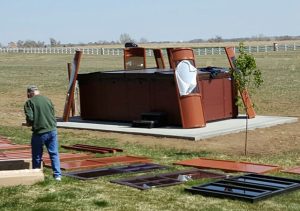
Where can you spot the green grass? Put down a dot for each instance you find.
(279, 96)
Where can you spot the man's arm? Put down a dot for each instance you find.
(28, 113)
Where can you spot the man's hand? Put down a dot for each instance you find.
(27, 124)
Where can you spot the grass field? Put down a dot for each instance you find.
(279, 95)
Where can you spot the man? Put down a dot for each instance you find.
(40, 115)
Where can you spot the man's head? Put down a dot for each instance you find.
(32, 90)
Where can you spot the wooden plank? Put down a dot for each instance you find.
(244, 93)
(71, 88)
(69, 68)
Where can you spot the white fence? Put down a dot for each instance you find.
(119, 51)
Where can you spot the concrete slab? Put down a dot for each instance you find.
(212, 129)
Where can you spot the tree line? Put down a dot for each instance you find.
(125, 37)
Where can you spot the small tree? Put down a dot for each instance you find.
(54, 42)
(247, 76)
(124, 38)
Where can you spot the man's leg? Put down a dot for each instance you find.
(52, 147)
(36, 151)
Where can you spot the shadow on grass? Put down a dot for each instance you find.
(55, 197)
(101, 203)
(193, 154)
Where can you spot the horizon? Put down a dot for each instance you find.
(210, 40)
(85, 21)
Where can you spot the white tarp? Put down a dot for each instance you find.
(186, 76)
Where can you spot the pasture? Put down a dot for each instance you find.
(280, 145)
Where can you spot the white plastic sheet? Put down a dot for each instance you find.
(186, 77)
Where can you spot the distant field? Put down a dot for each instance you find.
(204, 44)
(280, 95)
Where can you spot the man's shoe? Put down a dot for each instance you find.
(58, 179)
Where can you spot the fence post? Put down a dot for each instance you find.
(285, 47)
(294, 46)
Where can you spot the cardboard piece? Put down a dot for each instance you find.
(21, 177)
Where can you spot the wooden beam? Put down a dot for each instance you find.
(244, 93)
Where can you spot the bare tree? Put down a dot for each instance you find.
(124, 38)
(54, 42)
(30, 44)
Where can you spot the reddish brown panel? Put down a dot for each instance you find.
(7, 146)
(4, 140)
(12, 152)
(230, 52)
(122, 159)
(228, 165)
(295, 170)
(98, 162)
(90, 148)
(78, 164)
(67, 157)
(15, 156)
(97, 147)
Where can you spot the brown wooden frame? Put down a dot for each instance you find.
(179, 54)
(69, 68)
(169, 56)
(70, 93)
(159, 59)
(129, 53)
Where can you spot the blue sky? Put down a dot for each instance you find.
(82, 21)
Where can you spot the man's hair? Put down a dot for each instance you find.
(31, 88)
